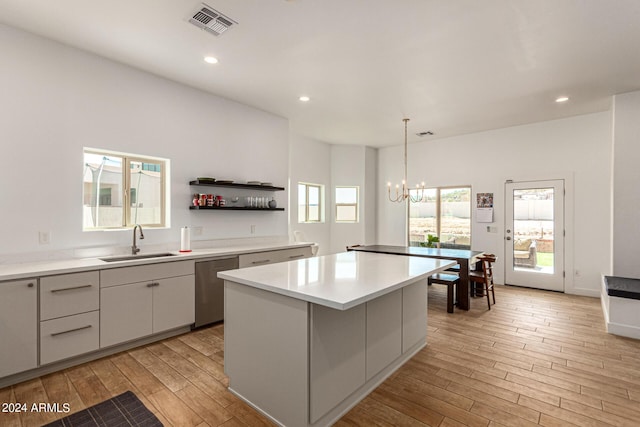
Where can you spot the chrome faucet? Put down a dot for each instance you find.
(135, 249)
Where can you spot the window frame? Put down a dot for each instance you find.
(356, 205)
(438, 215)
(320, 188)
(127, 160)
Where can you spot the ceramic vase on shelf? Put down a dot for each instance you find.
(273, 203)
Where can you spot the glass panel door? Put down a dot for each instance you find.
(534, 234)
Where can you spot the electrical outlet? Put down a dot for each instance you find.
(44, 237)
(253, 229)
(197, 231)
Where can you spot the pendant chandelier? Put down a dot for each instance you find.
(405, 194)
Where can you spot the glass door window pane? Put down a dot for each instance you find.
(533, 226)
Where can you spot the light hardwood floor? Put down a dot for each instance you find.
(537, 358)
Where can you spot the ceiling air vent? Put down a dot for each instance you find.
(209, 19)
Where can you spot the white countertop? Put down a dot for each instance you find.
(47, 268)
(339, 281)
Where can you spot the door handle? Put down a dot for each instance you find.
(70, 289)
(508, 237)
(55, 334)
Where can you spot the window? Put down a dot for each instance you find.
(443, 212)
(121, 190)
(346, 204)
(310, 202)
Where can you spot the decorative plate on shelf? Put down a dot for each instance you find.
(253, 182)
(206, 179)
(267, 184)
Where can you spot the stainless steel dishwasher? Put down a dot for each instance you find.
(210, 289)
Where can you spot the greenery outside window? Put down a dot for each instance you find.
(310, 202)
(444, 212)
(346, 204)
(121, 190)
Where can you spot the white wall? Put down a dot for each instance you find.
(317, 162)
(577, 149)
(57, 100)
(311, 163)
(354, 166)
(626, 178)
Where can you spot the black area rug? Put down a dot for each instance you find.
(123, 410)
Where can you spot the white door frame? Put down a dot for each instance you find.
(569, 215)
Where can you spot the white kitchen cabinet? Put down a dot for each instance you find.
(18, 326)
(161, 298)
(69, 315)
(68, 294)
(69, 336)
(126, 312)
(270, 257)
(173, 303)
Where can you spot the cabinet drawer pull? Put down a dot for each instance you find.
(296, 256)
(30, 285)
(151, 285)
(262, 261)
(55, 334)
(53, 291)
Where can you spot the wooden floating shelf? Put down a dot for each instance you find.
(234, 185)
(232, 208)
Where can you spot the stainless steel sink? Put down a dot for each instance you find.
(135, 257)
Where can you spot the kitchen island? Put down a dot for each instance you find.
(306, 340)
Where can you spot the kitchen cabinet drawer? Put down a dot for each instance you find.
(293, 254)
(269, 257)
(258, 258)
(69, 294)
(69, 336)
(121, 276)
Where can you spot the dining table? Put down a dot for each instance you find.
(465, 258)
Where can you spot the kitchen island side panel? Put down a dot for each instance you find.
(384, 332)
(414, 315)
(266, 351)
(337, 356)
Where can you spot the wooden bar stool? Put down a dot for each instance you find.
(451, 280)
(485, 277)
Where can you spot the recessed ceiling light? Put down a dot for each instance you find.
(304, 98)
(562, 99)
(210, 60)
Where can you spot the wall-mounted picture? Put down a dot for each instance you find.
(485, 200)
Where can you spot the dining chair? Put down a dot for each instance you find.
(484, 277)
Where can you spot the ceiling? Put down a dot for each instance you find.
(453, 67)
